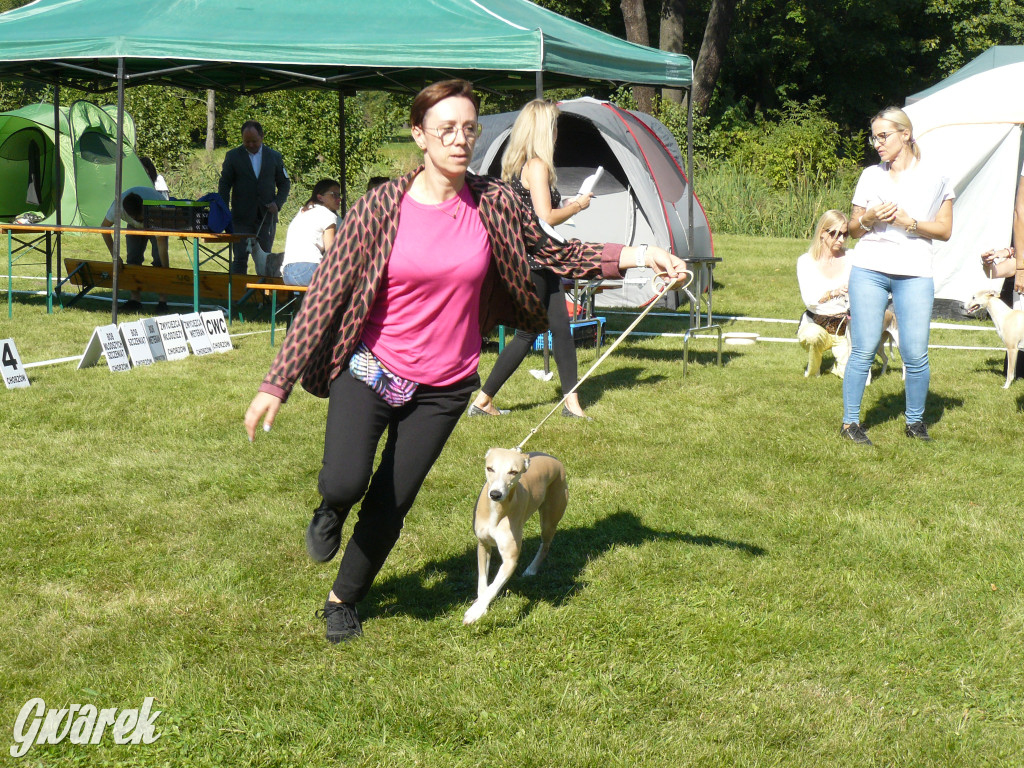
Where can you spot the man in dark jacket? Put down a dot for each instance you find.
(255, 185)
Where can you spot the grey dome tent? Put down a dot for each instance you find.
(642, 197)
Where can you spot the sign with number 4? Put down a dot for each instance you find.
(10, 363)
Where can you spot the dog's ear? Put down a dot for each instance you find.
(526, 463)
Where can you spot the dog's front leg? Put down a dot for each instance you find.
(509, 557)
(483, 565)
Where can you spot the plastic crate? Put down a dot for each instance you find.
(176, 215)
(585, 333)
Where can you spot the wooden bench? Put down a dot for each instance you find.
(177, 282)
(272, 289)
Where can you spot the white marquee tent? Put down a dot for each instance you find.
(970, 124)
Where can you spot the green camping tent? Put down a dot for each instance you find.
(88, 136)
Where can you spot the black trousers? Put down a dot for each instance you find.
(357, 418)
(548, 286)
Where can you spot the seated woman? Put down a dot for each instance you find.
(311, 233)
(823, 275)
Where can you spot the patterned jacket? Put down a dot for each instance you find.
(327, 328)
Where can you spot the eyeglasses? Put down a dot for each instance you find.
(881, 138)
(333, 194)
(447, 133)
(838, 232)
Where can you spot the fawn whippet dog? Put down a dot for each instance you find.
(518, 484)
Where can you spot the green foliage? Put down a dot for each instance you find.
(169, 122)
(303, 126)
(801, 145)
(740, 202)
(966, 28)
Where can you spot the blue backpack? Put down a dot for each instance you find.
(220, 215)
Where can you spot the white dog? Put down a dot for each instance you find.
(1009, 325)
(518, 484)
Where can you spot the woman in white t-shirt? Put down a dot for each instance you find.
(899, 207)
(823, 274)
(311, 233)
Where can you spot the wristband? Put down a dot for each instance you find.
(912, 228)
(641, 256)
(863, 226)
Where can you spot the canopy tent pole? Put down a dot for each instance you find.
(540, 84)
(56, 186)
(341, 152)
(689, 169)
(117, 186)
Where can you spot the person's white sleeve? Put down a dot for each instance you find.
(812, 283)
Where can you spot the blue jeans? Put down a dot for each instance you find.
(299, 272)
(912, 299)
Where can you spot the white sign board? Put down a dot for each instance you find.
(135, 340)
(10, 364)
(173, 337)
(156, 344)
(196, 333)
(217, 329)
(106, 341)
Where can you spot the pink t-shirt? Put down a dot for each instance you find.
(424, 325)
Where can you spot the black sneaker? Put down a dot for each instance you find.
(855, 433)
(323, 535)
(130, 306)
(342, 621)
(918, 431)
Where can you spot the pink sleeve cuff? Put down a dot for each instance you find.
(610, 255)
(276, 391)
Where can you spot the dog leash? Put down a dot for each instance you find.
(660, 286)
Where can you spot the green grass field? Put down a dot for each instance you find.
(731, 585)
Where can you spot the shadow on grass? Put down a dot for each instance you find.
(443, 585)
(890, 407)
(703, 356)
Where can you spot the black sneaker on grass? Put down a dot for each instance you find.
(323, 535)
(855, 433)
(342, 621)
(918, 431)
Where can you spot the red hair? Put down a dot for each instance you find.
(432, 94)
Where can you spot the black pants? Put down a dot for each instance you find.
(548, 286)
(357, 417)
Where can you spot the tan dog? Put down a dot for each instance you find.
(1009, 325)
(518, 484)
(890, 335)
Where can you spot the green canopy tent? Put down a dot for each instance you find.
(399, 45)
(88, 154)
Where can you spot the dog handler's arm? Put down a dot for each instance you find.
(658, 259)
(1018, 236)
(264, 406)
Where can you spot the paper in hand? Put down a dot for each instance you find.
(587, 187)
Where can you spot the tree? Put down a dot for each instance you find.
(671, 39)
(712, 52)
(635, 16)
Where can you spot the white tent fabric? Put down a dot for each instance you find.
(972, 130)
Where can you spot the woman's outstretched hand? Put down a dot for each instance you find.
(264, 406)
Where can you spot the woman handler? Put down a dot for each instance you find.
(391, 328)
